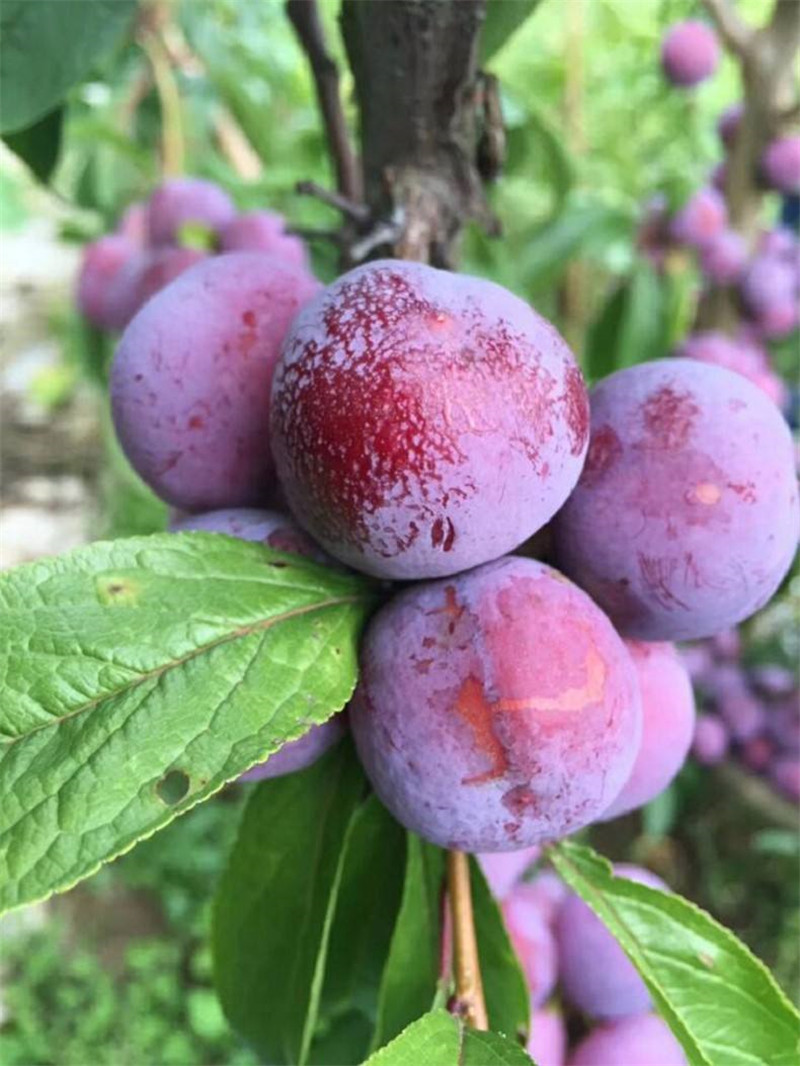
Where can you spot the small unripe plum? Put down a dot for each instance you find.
(279, 532)
(700, 219)
(685, 519)
(739, 354)
(424, 422)
(724, 257)
(503, 869)
(497, 709)
(667, 724)
(263, 231)
(728, 124)
(547, 1044)
(689, 53)
(533, 942)
(780, 164)
(644, 1040)
(191, 379)
(597, 976)
(144, 275)
(711, 739)
(103, 262)
(183, 202)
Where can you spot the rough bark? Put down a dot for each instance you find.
(420, 99)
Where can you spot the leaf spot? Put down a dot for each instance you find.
(116, 591)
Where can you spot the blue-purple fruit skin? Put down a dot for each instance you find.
(685, 519)
(191, 380)
(279, 532)
(532, 937)
(504, 869)
(596, 975)
(424, 422)
(497, 709)
(547, 1044)
(180, 202)
(644, 1040)
(263, 231)
(668, 720)
(689, 53)
(711, 740)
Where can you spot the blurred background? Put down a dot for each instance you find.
(118, 970)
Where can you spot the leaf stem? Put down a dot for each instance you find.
(470, 1003)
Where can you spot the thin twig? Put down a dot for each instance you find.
(387, 231)
(304, 16)
(350, 209)
(736, 34)
(470, 1002)
(172, 139)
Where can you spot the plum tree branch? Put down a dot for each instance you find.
(172, 139)
(734, 32)
(470, 1002)
(304, 17)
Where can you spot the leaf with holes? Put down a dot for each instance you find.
(439, 1039)
(140, 675)
(719, 1000)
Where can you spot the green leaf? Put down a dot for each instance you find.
(47, 47)
(135, 666)
(39, 145)
(575, 229)
(720, 1001)
(503, 18)
(631, 327)
(408, 985)
(504, 984)
(439, 1039)
(373, 868)
(274, 906)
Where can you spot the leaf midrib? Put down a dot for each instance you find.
(173, 664)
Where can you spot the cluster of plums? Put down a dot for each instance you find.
(751, 713)
(589, 1007)
(419, 426)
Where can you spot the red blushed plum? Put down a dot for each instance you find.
(769, 292)
(496, 710)
(597, 977)
(424, 422)
(724, 257)
(689, 53)
(103, 262)
(686, 517)
(191, 379)
(143, 276)
(503, 869)
(547, 1044)
(279, 532)
(642, 1041)
(263, 231)
(184, 202)
(780, 165)
(667, 724)
(739, 354)
(533, 942)
(133, 223)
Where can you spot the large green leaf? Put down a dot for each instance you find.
(632, 326)
(503, 18)
(508, 998)
(408, 984)
(578, 227)
(140, 675)
(39, 145)
(373, 867)
(439, 1039)
(275, 903)
(47, 46)
(720, 1002)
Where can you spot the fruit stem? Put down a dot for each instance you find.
(172, 139)
(470, 1003)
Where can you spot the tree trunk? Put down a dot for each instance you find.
(419, 94)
